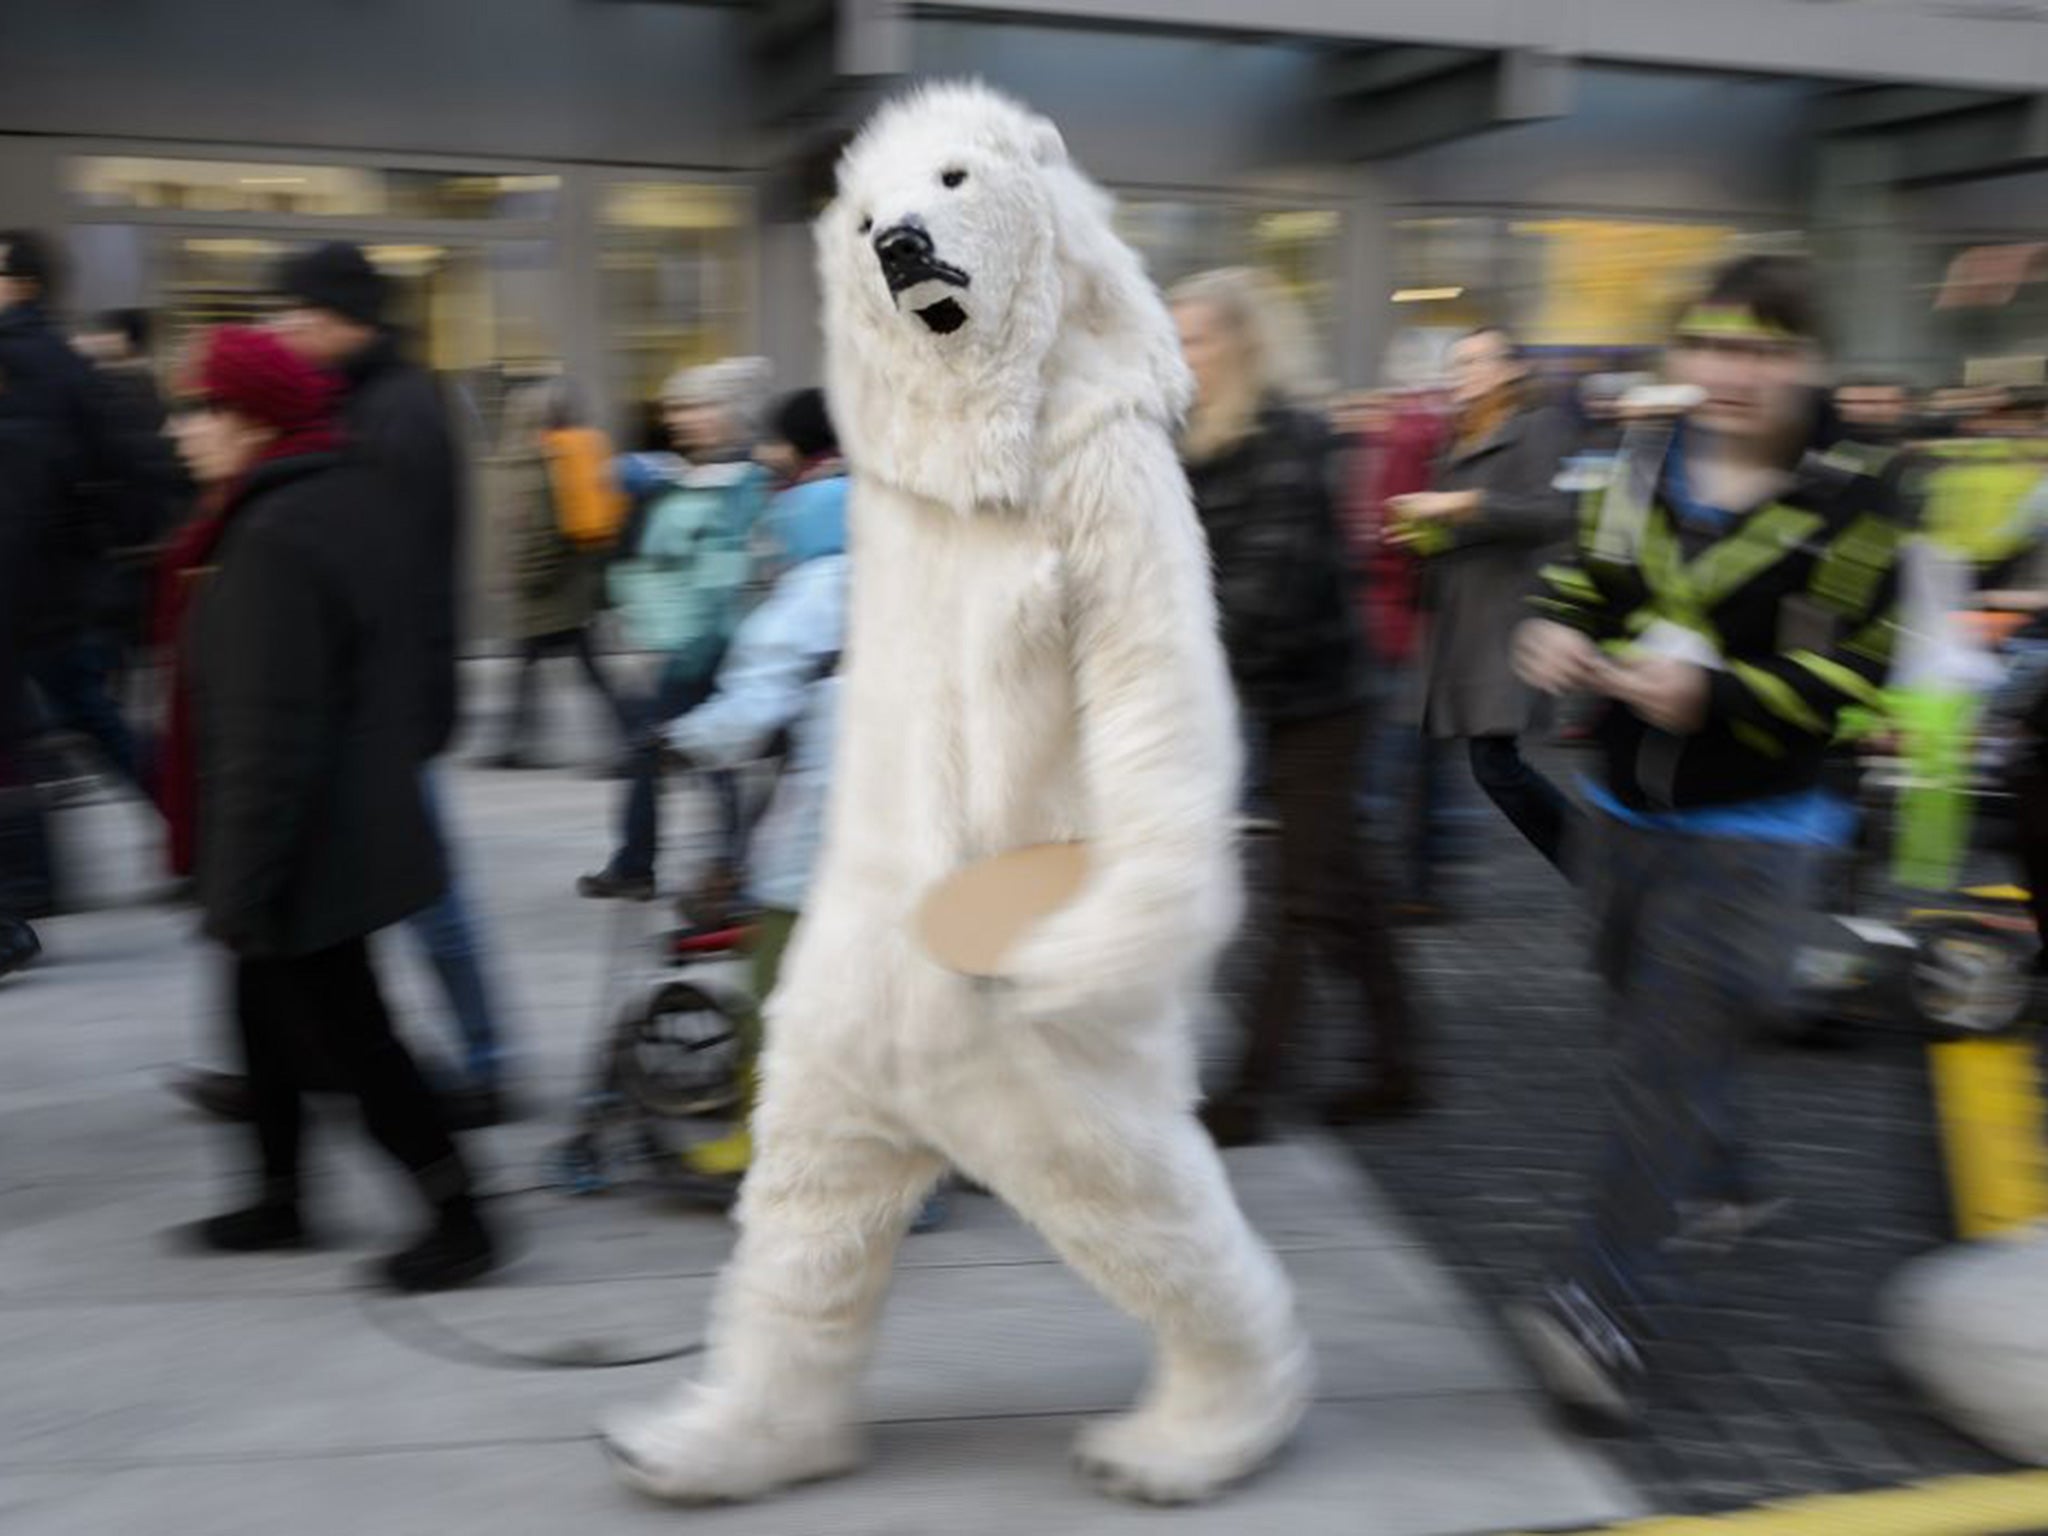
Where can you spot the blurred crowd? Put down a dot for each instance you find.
(240, 598)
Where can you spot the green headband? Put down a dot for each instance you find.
(1732, 322)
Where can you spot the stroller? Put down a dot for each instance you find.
(671, 1021)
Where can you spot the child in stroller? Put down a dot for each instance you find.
(690, 1048)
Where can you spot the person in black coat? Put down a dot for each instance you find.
(392, 418)
(24, 851)
(1261, 475)
(392, 414)
(52, 389)
(313, 830)
(152, 499)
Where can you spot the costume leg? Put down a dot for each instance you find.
(1135, 1198)
(831, 1189)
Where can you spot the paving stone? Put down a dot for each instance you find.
(1774, 1362)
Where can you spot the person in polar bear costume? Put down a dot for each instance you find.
(1032, 657)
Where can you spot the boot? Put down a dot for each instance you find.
(1235, 1119)
(455, 1251)
(271, 1225)
(1389, 1096)
(18, 945)
(223, 1095)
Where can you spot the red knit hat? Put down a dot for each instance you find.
(254, 374)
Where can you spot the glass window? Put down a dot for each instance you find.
(674, 276)
(1605, 282)
(1178, 239)
(1564, 283)
(1297, 245)
(324, 191)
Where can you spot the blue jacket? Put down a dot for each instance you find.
(781, 675)
(681, 590)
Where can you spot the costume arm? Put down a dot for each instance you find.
(1158, 744)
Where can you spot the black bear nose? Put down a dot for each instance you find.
(904, 242)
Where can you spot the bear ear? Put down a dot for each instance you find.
(1047, 147)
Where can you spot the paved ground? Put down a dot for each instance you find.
(148, 1392)
(1770, 1383)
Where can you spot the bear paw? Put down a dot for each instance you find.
(1156, 1456)
(694, 1451)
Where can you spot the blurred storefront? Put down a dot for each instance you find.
(615, 188)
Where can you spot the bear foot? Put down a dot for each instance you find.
(697, 1452)
(1156, 1456)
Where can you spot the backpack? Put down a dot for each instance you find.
(590, 508)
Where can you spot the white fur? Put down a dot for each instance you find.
(1032, 657)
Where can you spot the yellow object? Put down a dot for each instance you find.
(1987, 1102)
(1995, 893)
(2013, 1504)
(722, 1157)
(589, 506)
(1733, 322)
(1973, 492)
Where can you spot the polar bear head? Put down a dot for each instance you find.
(980, 311)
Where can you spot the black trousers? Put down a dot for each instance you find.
(1330, 905)
(526, 687)
(324, 1013)
(1536, 807)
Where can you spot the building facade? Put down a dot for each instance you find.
(616, 187)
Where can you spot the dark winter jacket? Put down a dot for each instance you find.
(150, 500)
(395, 419)
(306, 704)
(1282, 581)
(21, 473)
(556, 587)
(1795, 596)
(50, 390)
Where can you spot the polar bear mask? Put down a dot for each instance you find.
(962, 254)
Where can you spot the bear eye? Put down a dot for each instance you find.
(952, 178)
(867, 223)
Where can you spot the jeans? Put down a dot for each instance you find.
(526, 686)
(447, 933)
(681, 689)
(1535, 806)
(329, 1004)
(71, 677)
(1696, 939)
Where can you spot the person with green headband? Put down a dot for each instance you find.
(1731, 594)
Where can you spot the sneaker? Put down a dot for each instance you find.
(1721, 1226)
(457, 1251)
(253, 1229)
(1583, 1358)
(608, 885)
(222, 1095)
(18, 945)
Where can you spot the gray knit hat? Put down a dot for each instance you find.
(737, 384)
